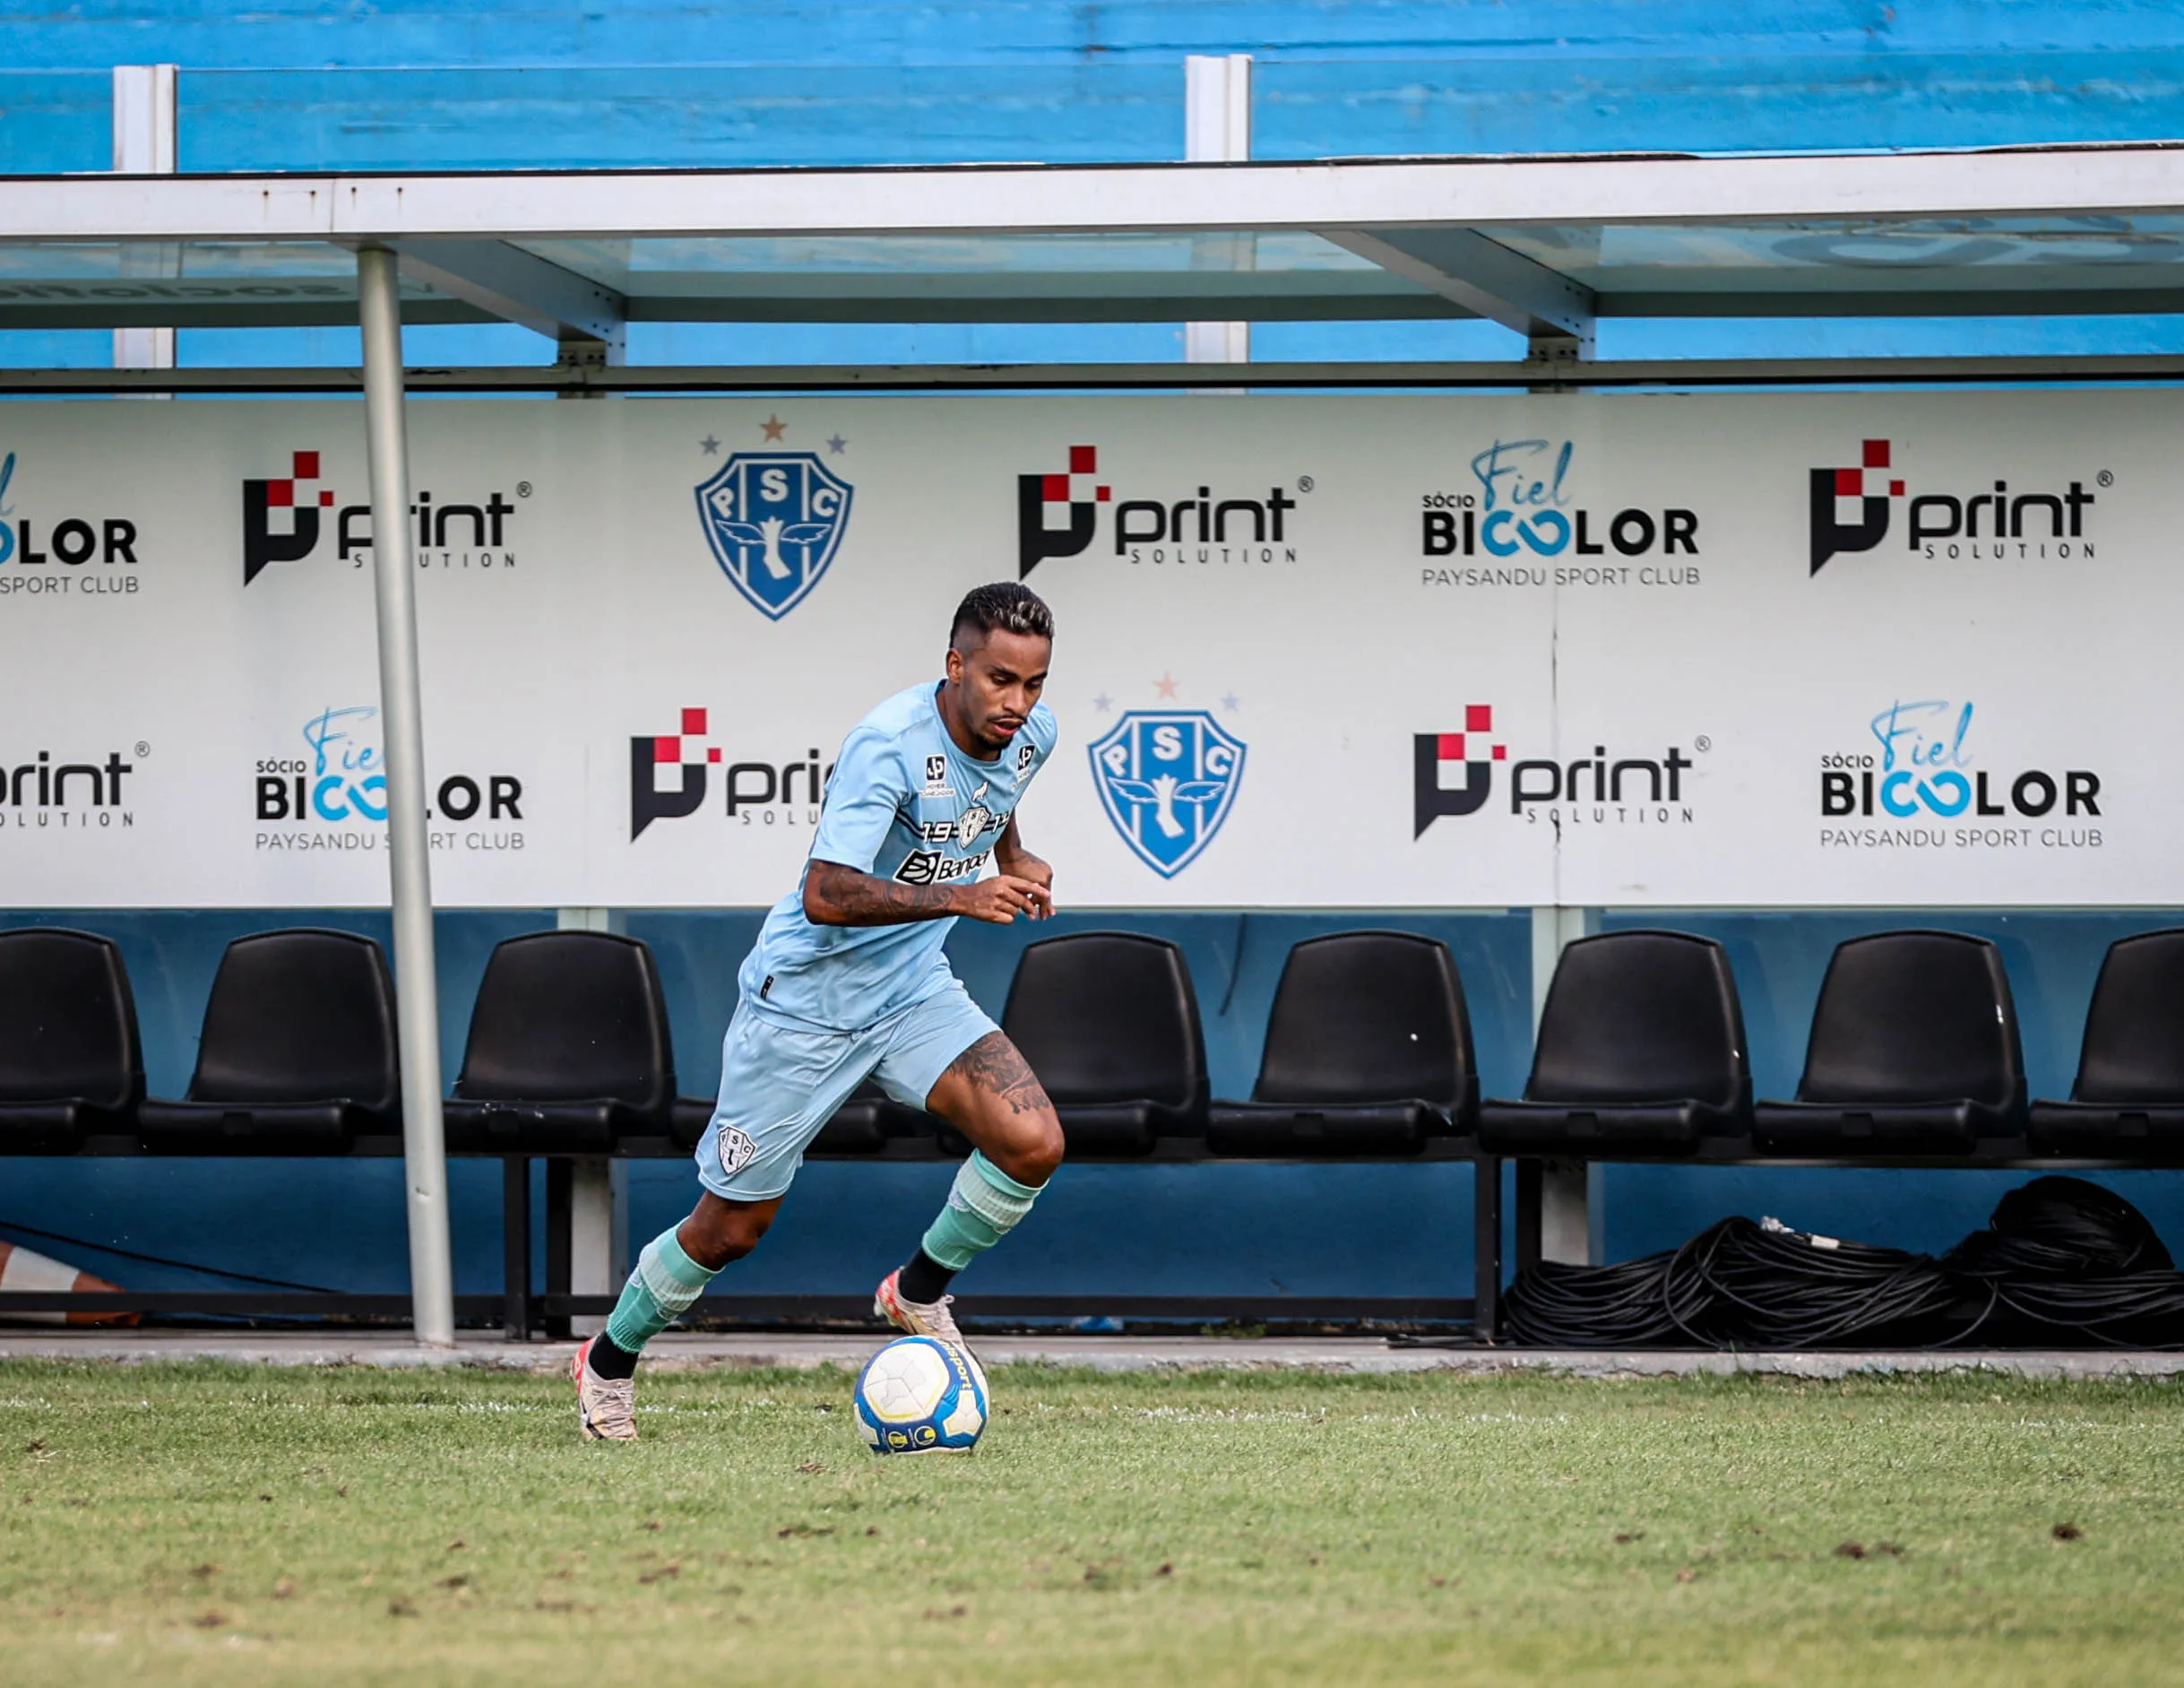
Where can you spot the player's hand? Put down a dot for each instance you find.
(1022, 864)
(1002, 898)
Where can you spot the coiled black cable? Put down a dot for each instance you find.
(2061, 1261)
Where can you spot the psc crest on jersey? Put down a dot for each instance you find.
(774, 519)
(1168, 778)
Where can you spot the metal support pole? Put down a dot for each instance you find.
(587, 1221)
(1217, 129)
(418, 999)
(144, 141)
(1559, 1216)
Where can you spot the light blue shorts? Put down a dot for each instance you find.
(780, 1083)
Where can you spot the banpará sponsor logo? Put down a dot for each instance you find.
(1521, 518)
(775, 520)
(65, 554)
(59, 793)
(670, 774)
(1854, 510)
(283, 522)
(1060, 515)
(334, 796)
(1916, 764)
(1455, 774)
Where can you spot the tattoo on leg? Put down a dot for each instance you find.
(994, 1063)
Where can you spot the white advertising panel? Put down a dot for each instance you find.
(1358, 652)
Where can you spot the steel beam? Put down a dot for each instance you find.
(1668, 374)
(1481, 274)
(512, 283)
(1368, 194)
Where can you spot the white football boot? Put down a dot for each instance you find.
(606, 1407)
(919, 1317)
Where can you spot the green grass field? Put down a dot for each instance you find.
(219, 1524)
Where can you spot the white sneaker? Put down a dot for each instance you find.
(919, 1317)
(606, 1407)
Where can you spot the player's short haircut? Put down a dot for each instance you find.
(1004, 607)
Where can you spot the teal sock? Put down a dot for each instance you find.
(662, 1287)
(984, 1205)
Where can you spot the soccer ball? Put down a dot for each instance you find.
(921, 1395)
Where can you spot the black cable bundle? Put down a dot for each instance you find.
(2061, 1261)
(2069, 1260)
(1738, 1285)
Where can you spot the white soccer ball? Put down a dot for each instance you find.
(921, 1395)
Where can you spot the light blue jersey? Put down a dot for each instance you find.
(903, 803)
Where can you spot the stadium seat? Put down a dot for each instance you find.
(863, 1125)
(1369, 1052)
(1640, 1054)
(70, 1063)
(1914, 1050)
(2129, 1100)
(1110, 1023)
(568, 1049)
(298, 1055)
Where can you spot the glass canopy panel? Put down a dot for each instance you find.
(1971, 260)
(193, 284)
(1122, 277)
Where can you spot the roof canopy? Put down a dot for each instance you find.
(1541, 245)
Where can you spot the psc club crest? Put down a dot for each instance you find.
(775, 520)
(1168, 778)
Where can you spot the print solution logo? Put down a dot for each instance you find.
(774, 520)
(1168, 779)
(282, 524)
(670, 774)
(1853, 510)
(1058, 515)
(48, 794)
(1453, 775)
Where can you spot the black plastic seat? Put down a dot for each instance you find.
(568, 1049)
(1110, 1023)
(1369, 1052)
(2127, 1102)
(1914, 1051)
(863, 1125)
(70, 1062)
(297, 1053)
(1640, 1053)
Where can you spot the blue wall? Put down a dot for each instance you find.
(416, 84)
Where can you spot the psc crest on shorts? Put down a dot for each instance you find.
(1166, 778)
(736, 1149)
(775, 520)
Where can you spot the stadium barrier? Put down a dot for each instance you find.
(1913, 1061)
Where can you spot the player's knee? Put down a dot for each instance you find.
(1034, 1151)
(719, 1232)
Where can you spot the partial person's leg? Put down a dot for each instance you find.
(990, 1094)
(672, 1272)
(779, 1085)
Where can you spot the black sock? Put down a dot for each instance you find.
(606, 1360)
(924, 1279)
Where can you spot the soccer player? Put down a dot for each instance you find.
(848, 980)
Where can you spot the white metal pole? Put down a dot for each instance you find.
(1217, 129)
(145, 137)
(417, 995)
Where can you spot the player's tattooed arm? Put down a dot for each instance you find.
(1011, 857)
(839, 895)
